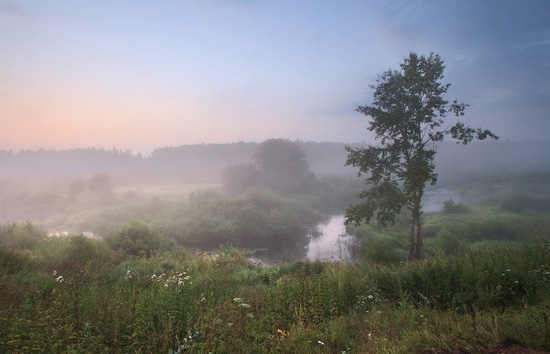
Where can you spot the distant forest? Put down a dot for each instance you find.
(205, 162)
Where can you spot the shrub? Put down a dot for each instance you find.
(450, 207)
(72, 254)
(20, 235)
(13, 261)
(136, 239)
(448, 242)
(382, 250)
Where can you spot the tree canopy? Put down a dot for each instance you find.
(282, 165)
(408, 117)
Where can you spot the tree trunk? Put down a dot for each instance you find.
(411, 253)
(418, 251)
(415, 235)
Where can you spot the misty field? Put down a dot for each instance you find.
(155, 263)
(485, 282)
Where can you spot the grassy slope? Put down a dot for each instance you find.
(225, 304)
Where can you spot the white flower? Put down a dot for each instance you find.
(59, 279)
(320, 342)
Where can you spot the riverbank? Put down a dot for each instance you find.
(74, 294)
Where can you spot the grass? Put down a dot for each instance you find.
(75, 295)
(485, 282)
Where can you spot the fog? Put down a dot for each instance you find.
(97, 190)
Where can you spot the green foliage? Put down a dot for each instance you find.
(237, 179)
(522, 203)
(450, 207)
(136, 239)
(13, 261)
(282, 166)
(20, 235)
(449, 243)
(257, 218)
(382, 250)
(196, 303)
(407, 116)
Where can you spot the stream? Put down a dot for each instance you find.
(330, 242)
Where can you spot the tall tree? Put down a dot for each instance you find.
(282, 165)
(408, 117)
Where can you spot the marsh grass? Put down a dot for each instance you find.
(76, 295)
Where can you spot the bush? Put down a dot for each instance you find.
(382, 250)
(136, 239)
(448, 242)
(73, 254)
(13, 261)
(20, 235)
(450, 207)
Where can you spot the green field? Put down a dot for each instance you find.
(484, 281)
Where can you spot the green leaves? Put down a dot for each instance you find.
(464, 134)
(406, 114)
(383, 201)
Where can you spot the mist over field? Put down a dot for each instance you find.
(244, 176)
(46, 186)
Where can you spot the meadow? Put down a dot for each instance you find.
(76, 295)
(483, 283)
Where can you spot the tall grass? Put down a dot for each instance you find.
(76, 295)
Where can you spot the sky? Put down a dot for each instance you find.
(140, 74)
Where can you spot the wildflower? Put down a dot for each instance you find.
(282, 332)
(322, 343)
(59, 279)
(243, 305)
(238, 299)
(370, 297)
(54, 273)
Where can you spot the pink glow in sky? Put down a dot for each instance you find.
(140, 75)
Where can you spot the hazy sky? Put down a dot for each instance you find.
(144, 74)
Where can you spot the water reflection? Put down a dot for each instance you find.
(330, 242)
